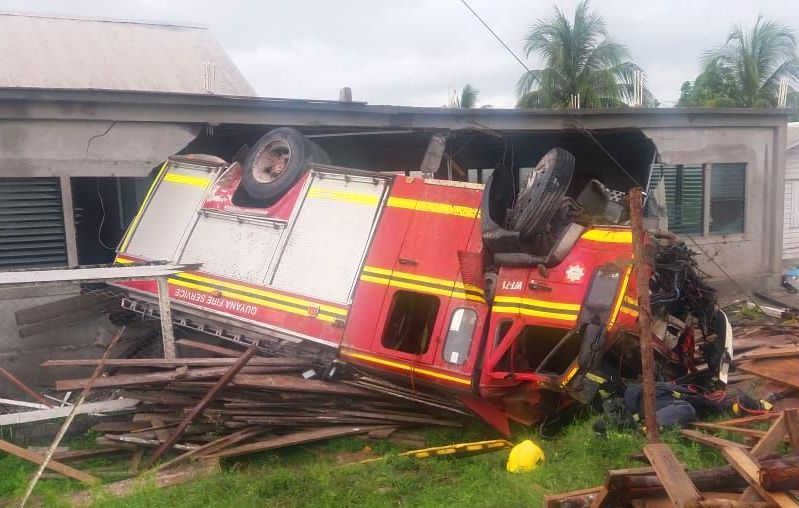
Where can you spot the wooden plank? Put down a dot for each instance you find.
(76, 455)
(38, 458)
(642, 269)
(208, 348)
(749, 469)
(301, 437)
(71, 417)
(200, 406)
(772, 352)
(555, 500)
(106, 406)
(678, 485)
(214, 446)
(155, 378)
(768, 444)
(51, 310)
(771, 440)
(168, 363)
(24, 388)
(781, 370)
(731, 428)
(22, 403)
(164, 479)
(296, 384)
(706, 439)
(792, 428)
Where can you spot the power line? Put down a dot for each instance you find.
(521, 62)
(571, 115)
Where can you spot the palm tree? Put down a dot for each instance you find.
(468, 97)
(580, 59)
(757, 60)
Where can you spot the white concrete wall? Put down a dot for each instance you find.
(758, 250)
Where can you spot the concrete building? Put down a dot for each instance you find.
(68, 187)
(88, 150)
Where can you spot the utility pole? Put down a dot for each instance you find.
(641, 268)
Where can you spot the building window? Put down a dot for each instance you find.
(695, 209)
(684, 196)
(411, 322)
(32, 229)
(727, 191)
(459, 336)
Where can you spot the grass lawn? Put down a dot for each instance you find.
(309, 476)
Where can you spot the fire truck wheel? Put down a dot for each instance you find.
(538, 201)
(276, 162)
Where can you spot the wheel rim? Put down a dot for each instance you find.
(271, 162)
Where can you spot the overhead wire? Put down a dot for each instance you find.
(577, 122)
(593, 138)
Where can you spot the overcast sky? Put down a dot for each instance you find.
(411, 52)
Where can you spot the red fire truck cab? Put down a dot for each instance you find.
(404, 277)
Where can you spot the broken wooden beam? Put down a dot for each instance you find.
(124, 380)
(106, 406)
(301, 437)
(208, 348)
(706, 439)
(200, 406)
(24, 388)
(38, 459)
(748, 467)
(171, 363)
(678, 485)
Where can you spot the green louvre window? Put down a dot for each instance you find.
(684, 196)
(727, 198)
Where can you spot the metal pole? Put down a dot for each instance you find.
(65, 426)
(641, 268)
(165, 310)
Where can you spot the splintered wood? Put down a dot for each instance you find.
(202, 408)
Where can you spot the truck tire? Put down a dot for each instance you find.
(538, 201)
(276, 162)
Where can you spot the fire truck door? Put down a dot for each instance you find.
(169, 210)
(422, 281)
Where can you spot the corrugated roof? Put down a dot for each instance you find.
(77, 53)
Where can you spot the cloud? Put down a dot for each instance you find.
(412, 51)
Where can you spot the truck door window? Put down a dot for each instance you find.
(533, 345)
(410, 322)
(459, 336)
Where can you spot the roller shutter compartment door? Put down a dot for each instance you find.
(329, 237)
(170, 211)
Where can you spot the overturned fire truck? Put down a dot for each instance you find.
(514, 304)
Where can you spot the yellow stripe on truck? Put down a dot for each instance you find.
(433, 207)
(408, 368)
(608, 236)
(348, 197)
(197, 181)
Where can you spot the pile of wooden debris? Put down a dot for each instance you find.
(760, 474)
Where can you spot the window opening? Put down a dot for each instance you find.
(410, 323)
(727, 198)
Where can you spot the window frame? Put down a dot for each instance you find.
(463, 356)
(707, 237)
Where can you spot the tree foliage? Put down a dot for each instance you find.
(579, 58)
(468, 98)
(747, 70)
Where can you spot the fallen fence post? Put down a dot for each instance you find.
(641, 268)
(207, 398)
(38, 458)
(63, 430)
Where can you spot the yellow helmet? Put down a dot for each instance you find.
(525, 456)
